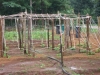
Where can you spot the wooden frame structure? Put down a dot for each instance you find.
(21, 19)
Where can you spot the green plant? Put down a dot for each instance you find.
(42, 45)
(80, 45)
(91, 53)
(5, 54)
(6, 48)
(57, 48)
(72, 48)
(83, 51)
(58, 55)
(84, 45)
(42, 65)
(97, 50)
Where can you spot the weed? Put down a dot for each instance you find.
(56, 48)
(98, 50)
(83, 51)
(72, 48)
(58, 55)
(91, 53)
(42, 65)
(42, 45)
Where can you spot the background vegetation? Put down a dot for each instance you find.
(83, 7)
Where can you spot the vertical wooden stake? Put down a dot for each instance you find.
(1, 39)
(24, 34)
(87, 39)
(98, 23)
(79, 31)
(19, 33)
(52, 34)
(48, 35)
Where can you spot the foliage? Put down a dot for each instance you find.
(97, 50)
(82, 6)
(97, 8)
(51, 6)
(72, 48)
(91, 53)
(83, 51)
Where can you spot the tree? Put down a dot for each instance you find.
(82, 6)
(37, 6)
(97, 8)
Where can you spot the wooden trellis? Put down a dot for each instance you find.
(22, 18)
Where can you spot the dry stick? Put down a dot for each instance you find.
(19, 34)
(1, 39)
(29, 36)
(48, 36)
(4, 41)
(66, 34)
(52, 34)
(24, 35)
(79, 30)
(87, 39)
(16, 22)
(73, 34)
(48, 33)
(70, 37)
(98, 25)
(61, 43)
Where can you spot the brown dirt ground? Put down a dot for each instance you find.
(74, 62)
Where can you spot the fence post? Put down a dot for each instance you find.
(1, 38)
(87, 38)
(98, 24)
(52, 34)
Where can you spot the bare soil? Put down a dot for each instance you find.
(75, 63)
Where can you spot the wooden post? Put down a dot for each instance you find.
(4, 41)
(1, 38)
(24, 34)
(52, 34)
(79, 31)
(87, 38)
(98, 24)
(19, 32)
(66, 34)
(48, 35)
